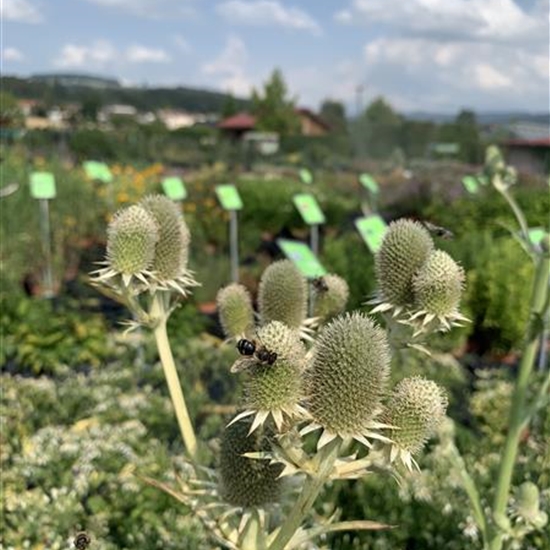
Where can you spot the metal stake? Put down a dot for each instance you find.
(234, 246)
(47, 246)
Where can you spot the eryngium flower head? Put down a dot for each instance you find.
(332, 298)
(405, 247)
(235, 310)
(247, 482)
(171, 251)
(131, 239)
(347, 378)
(415, 408)
(274, 389)
(282, 295)
(438, 285)
(527, 506)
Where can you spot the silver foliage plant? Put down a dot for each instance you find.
(317, 404)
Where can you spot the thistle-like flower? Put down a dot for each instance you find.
(247, 482)
(274, 384)
(282, 295)
(331, 297)
(172, 249)
(235, 310)
(347, 379)
(131, 239)
(406, 246)
(526, 508)
(414, 409)
(437, 289)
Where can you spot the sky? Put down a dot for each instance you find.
(421, 55)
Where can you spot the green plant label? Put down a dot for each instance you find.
(42, 185)
(302, 257)
(368, 182)
(372, 230)
(306, 176)
(98, 171)
(483, 179)
(470, 184)
(536, 234)
(174, 188)
(229, 197)
(309, 208)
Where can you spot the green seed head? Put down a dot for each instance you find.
(405, 248)
(438, 284)
(131, 238)
(332, 301)
(528, 500)
(277, 386)
(244, 481)
(283, 294)
(235, 310)
(348, 375)
(416, 407)
(172, 249)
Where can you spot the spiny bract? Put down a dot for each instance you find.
(405, 247)
(415, 407)
(235, 310)
(171, 251)
(347, 378)
(332, 300)
(438, 284)
(282, 294)
(131, 239)
(244, 481)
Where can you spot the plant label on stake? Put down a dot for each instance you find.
(306, 176)
(230, 200)
(98, 171)
(470, 184)
(302, 257)
(368, 182)
(309, 208)
(372, 230)
(174, 188)
(43, 188)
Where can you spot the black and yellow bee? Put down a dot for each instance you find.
(438, 231)
(319, 284)
(82, 540)
(251, 349)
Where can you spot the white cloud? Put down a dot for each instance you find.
(489, 78)
(229, 70)
(21, 11)
(150, 9)
(450, 20)
(12, 54)
(143, 54)
(182, 44)
(102, 54)
(268, 13)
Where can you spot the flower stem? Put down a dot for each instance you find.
(313, 485)
(159, 311)
(516, 422)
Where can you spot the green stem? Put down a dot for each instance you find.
(313, 485)
(159, 312)
(519, 216)
(510, 451)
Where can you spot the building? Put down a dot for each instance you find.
(311, 124)
(531, 156)
(174, 119)
(237, 125)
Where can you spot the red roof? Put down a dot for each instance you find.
(241, 121)
(541, 142)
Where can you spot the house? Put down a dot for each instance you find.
(237, 125)
(174, 119)
(311, 124)
(531, 156)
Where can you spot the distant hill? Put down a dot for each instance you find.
(499, 118)
(56, 89)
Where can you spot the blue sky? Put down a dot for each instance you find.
(433, 55)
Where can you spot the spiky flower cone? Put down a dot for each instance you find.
(331, 301)
(171, 251)
(347, 378)
(244, 481)
(405, 248)
(235, 310)
(283, 294)
(415, 407)
(438, 285)
(275, 389)
(131, 239)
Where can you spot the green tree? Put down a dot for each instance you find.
(334, 113)
(229, 107)
(10, 114)
(273, 109)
